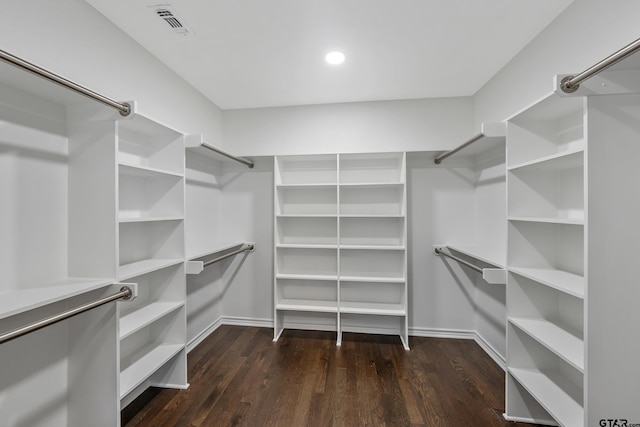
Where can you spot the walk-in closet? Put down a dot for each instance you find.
(322, 213)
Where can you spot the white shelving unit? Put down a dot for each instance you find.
(572, 239)
(151, 252)
(546, 189)
(340, 244)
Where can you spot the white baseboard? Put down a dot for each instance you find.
(465, 335)
(491, 351)
(193, 343)
(224, 320)
(529, 420)
(414, 332)
(247, 321)
(442, 333)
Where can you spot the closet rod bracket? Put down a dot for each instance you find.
(439, 251)
(492, 275)
(570, 84)
(197, 265)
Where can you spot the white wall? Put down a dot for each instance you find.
(440, 211)
(443, 204)
(490, 229)
(411, 125)
(247, 206)
(203, 194)
(70, 38)
(586, 32)
(228, 204)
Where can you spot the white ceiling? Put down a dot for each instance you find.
(262, 53)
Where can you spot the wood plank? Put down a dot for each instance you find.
(238, 376)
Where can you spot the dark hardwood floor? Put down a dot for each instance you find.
(239, 377)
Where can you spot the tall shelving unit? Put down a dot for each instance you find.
(546, 151)
(340, 235)
(572, 239)
(151, 252)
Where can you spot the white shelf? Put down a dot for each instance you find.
(370, 184)
(305, 246)
(549, 128)
(306, 200)
(559, 397)
(557, 339)
(553, 189)
(373, 279)
(306, 169)
(146, 315)
(366, 200)
(371, 216)
(141, 365)
(380, 309)
(145, 194)
(307, 215)
(145, 171)
(371, 168)
(148, 143)
(146, 266)
(123, 220)
(307, 231)
(309, 185)
(14, 302)
(480, 253)
(563, 281)
(373, 247)
(306, 277)
(563, 160)
(306, 305)
(309, 262)
(567, 221)
(369, 232)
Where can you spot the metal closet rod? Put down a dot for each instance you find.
(245, 162)
(441, 157)
(460, 260)
(122, 107)
(570, 84)
(244, 248)
(124, 293)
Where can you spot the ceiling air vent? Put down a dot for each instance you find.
(166, 13)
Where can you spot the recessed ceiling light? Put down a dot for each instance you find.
(335, 58)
